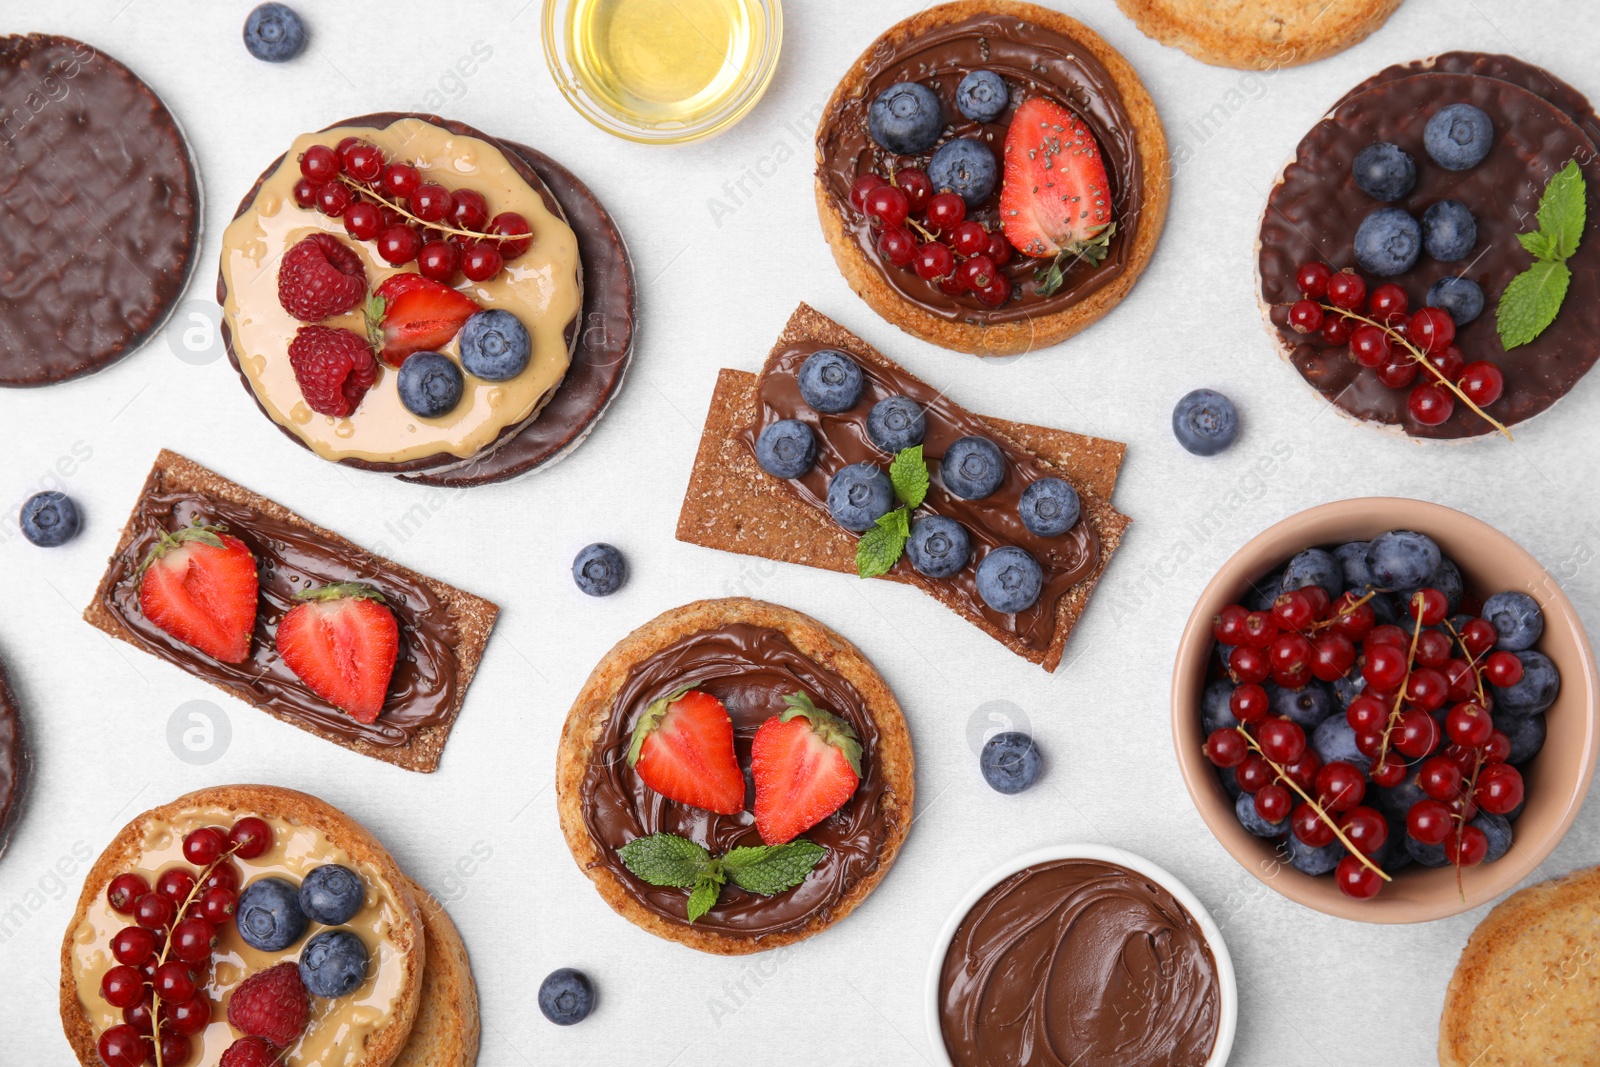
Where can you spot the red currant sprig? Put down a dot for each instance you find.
(946, 235)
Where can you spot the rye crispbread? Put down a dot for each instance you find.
(1258, 34)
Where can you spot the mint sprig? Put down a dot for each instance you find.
(880, 548)
(669, 860)
(1533, 298)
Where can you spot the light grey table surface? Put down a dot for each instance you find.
(726, 242)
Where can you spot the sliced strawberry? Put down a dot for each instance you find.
(199, 585)
(410, 313)
(683, 749)
(341, 640)
(806, 763)
(1055, 201)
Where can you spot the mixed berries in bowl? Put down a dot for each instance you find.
(1385, 710)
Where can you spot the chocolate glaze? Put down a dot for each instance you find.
(1034, 61)
(102, 210)
(1314, 211)
(750, 669)
(422, 690)
(16, 763)
(1080, 963)
(991, 523)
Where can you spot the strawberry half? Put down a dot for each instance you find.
(683, 749)
(806, 763)
(410, 313)
(199, 585)
(342, 640)
(1055, 201)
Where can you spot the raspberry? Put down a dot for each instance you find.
(247, 1052)
(334, 368)
(320, 277)
(271, 1005)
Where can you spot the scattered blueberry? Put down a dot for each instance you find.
(1334, 739)
(331, 894)
(1010, 762)
(938, 547)
(599, 569)
(1250, 819)
(972, 468)
(495, 346)
(1516, 618)
(1427, 855)
(1049, 507)
(830, 381)
(964, 167)
(1458, 136)
(896, 422)
(1402, 559)
(982, 96)
(1448, 231)
(1314, 861)
(430, 385)
(859, 495)
(49, 519)
(1461, 297)
(1497, 828)
(1009, 580)
(1388, 242)
(786, 449)
(333, 963)
(1306, 706)
(566, 996)
(905, 118)
(275, 33)
(268, 915)
(1352, 557)
(1205, 422)
(1314, 567)
(1216, 713)
(1536, 691)
(1384, 171)
(1525, 732)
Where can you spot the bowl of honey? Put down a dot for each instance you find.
(662, 71)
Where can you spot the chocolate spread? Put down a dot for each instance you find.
(15, 762)
(1540, 124)
(422, 690)
(1034, 61)
(750, 669)
(1080, 963)
(992, 522)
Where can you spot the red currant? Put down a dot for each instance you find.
(192, 940)
(439, 261)
(888, 205)
(1439, 778)
(918, 189)
(996, 292)
(189, 1017)
(174, 981)
(953, 284)
(333, 198)
(122, 986)
(1355, 879)
(1340, 786)
(1254, 774)
(1449, 362)
(1332, 657)
(1294, 610)
(1503, 669)
(1499, 788)
(946, 211)
(1310, 827)
(153, 911)
(223, 876)
(1260, 629)
(481, 261)
(1431, 329)
(346, 146)
(468, 210)
(1398, 371)
(1430, 405)
(400, 180)
(1497, 749)
(132, 945)
(1464, 758)
(1478, 636)
(1429, 821)
(1249, 703)
(897, 246)
(1366, 828)
(1387, 634)
(1347, 290)
(123, 1046)
(124, 890)
(1281, 741)
(363, 220)
(319, 164)
(1416, 735)
(398, 245)
(977, 271)
(175, 884)
(431, 202)
(1312, 279)
(515, 233)
(1226, 748)
(364, 163)
(1462, 678)
(1433, 649)
(175, 1048)
(1336, 330)
(1303, 771)
(970, 238)
(998, 249)
(933, 260)
(1369, 345)
(1305, 316)
(1466, 847)
(1249, 664)
(217, 905)
(139, 1015)
(1385, 666)
(1290, 658)
(1351, 619)
(1389, 304)
(1389, 771)
(861, 187)
(1482, 382)
(305, 193)
(1227, 625)
(1430, 605)
(1273, 803)
(1366, 715)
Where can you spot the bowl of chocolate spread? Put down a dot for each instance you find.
(1084, 955)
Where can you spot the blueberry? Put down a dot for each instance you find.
(1352, 557)
(49, 519)
(1205, 422)
(786, 449)
(905, 118)
(1010, 762)
(1384, 171)
(331, 894)
(982, 96)
(1216, 713)
(1525, 732)
(1049, 507)
(964, 167)
(859, 495)
(1497, 828)
(1537, 689)
(1230, 782)
(830, 381)
(1334, 739)
(1314, 861)
(599, 569)
(1516, 618)
(1385, 612)
(1388, 242)
(566, 996)
(275, 33)
(972, 468)
(896, 422)
(1393, 856)
(1448, 231)
(1349, 687)
(938, 547)
(1458, 136)
(1461, 297)
(495, 346)
(268, 915)
(1307, 706)
(1402, 559)
(1261, 594)
(1250, 819)
(1396, 800)
(333, 963)
(1427, 855)
(1314, 567)
(430, 385)
(1446, 578)
(1009, 580)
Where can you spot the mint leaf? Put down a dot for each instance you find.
(1537, 243)
(880, 547)
(1562, 211)
(704, 896)
(1531, 301)
(667, 859)
(909, 473)
(769, 869)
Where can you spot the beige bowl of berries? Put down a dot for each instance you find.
(1369, 763)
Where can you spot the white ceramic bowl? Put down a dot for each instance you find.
(1228, 1006)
